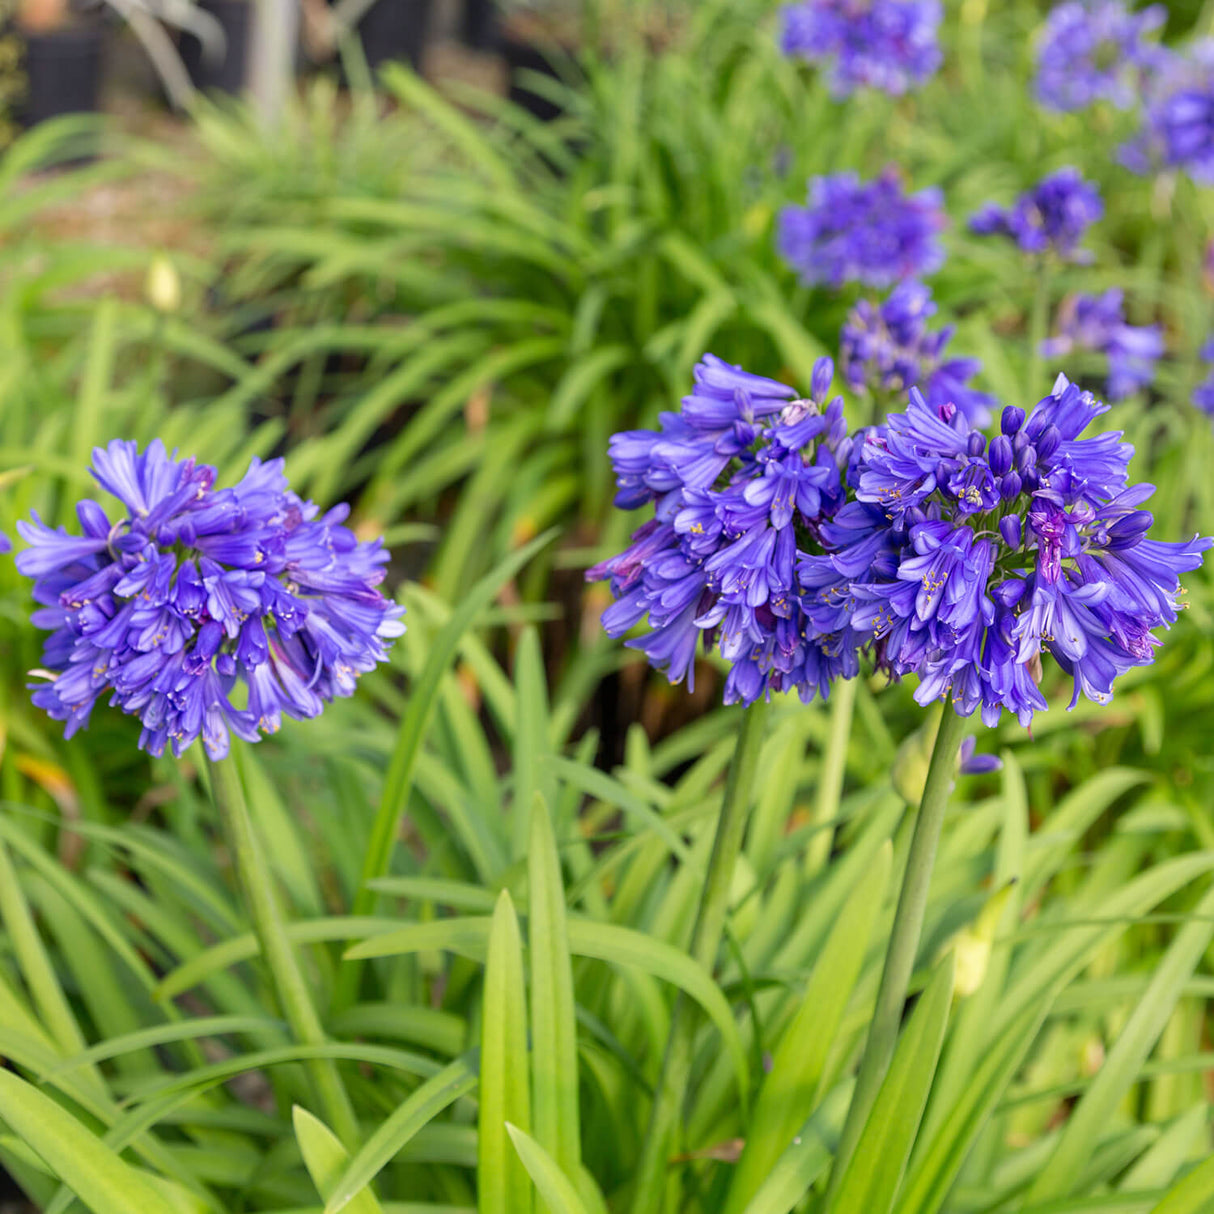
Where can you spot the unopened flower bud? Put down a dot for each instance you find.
(1047, 444)
(823, 373)
(163, 285)
(1010, 529)
(909, 773)
(972, 957)
(973, 944)
(1012, 419)
(1126, 532)
(1000, 454)
(1008, 593)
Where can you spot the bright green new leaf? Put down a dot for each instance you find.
(418, 1110)
(556, 1189)
(505, 1097)
(326, 1159)
(1193, 1195)
(554, 1063)
(97, 1175)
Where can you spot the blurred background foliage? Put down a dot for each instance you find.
(439, 306)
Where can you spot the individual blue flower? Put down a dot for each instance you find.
(867, 232)
(741, 479)
(889, 45)
(988, 555)
(1177, 130)
(1096, 50)
(1097, 323)
(203, 611)
(888, 348)
(1052, 217)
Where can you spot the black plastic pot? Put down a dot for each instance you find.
(395, 30)
(63, 72)
(229, 74)
(478, 25)
(523, 56)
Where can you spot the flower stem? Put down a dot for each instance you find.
(227, 789)
(903, 940)
(706, 936)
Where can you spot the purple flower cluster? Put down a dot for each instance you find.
(197, 594)
(889, 45)
(943, 555)
(867, 232)
(887, 348)
(1097, 323)
(1177, 129)
(1203, 394)
(1052, 217)
(1096, 50)
(985, 555)
(741, 479)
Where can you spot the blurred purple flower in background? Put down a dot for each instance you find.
(866, 232)
(887, 348)
(1203, 394)
(195, 593)
(1052, 217)
(1097, 323)
(889, 45)
(1096, 51)
(1177, 129)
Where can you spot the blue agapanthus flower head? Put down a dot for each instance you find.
(988, 555)
(1097, 323)
(1052, 217)
(1096, 50)
(889, 45)
(203, 610)
(888, 348)
(741, 481)
(1177, 130)
(867, 232)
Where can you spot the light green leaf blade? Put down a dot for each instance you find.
(872, 1177)
(927, 1185)
(805, 1159)
(554, 1064)
(418, 1110)
(556, 1189)
(791, 1086)
(97, 1175)
(623, 946)
(1120, 1070)
(502, 1183)
(603, 941)
(1193, 1195)
(326, 1159)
